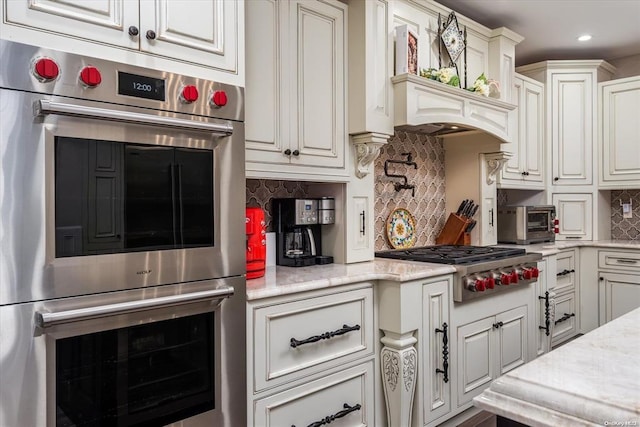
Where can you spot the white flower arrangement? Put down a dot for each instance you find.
(444, 75)
(486, 87)
(482, 85)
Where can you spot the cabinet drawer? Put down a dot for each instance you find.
(349, 391)
(566, 272)
(566, 322)
(299, 338)
(616, 260)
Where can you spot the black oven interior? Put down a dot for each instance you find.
(113, 197)
(144, 375)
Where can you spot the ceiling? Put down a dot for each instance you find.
(551, 27)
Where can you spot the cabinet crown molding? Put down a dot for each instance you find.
(566, 65)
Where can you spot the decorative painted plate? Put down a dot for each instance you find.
(401, 229)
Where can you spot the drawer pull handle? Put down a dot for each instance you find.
(345, 329)
(565, 317)
(565, 272)
(547, 320)
(327, 420)
(445, 353)
(626, 261)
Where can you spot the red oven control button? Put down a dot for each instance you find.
(218, 99)
(556, 221)
(514, 277)
(489, 283)
(505, 279)
(189, 94)
(46, 69)
(479, 285)
(90, 76)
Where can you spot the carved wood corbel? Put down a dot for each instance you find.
(368, 147)
(495, 163)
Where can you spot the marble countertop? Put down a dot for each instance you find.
(286, 280)
(592, 380)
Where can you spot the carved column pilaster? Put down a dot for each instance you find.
(368, 147)
(399, 362)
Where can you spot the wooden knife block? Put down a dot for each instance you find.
(453, 231)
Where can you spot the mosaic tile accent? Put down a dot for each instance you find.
(428, 205)
(621, 228)
(502, 198)
(260, 192)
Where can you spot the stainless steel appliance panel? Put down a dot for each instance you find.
(27, 351)
(29, 270)
(526, 224)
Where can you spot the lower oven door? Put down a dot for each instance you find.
(158, 356)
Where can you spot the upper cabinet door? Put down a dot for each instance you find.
(107, 21)
(317, 52)
(202, 32)
(620, 143)
(572, 128)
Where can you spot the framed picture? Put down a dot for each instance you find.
(406, 50)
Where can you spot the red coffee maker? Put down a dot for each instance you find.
(256, 243)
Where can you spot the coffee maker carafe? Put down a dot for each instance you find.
(298, 240)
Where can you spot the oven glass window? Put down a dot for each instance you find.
(538, 221)
(115, 197)
(146, 375)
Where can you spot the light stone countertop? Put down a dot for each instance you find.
(287, 280)
(592, 380)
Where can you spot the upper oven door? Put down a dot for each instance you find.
(98, 197)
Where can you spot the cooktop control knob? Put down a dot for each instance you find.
(90, 76)
(218, 99)
(527, 273)
(189, 94)
(479, 285)
(46, 69)
(505, 279)
(489, 283)
(514, 277)
(535, 273)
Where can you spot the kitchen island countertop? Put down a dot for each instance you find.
(592, 380)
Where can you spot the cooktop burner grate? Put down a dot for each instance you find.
(452, 254)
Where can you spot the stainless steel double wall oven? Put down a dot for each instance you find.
(122, 289)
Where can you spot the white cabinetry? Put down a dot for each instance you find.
(310, 357)
(619, 288)
(567, 290)
(488, 348)
(205, 33)
(619, 102)
(543, 301)
(575, 215)
(295, 97)
(436, 351)
(525, 169)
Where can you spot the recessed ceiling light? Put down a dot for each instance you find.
(454, 127)
(584, 38)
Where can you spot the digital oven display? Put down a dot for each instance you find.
(140, 86)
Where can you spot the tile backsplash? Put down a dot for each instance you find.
(621, 228)
(260, 192)
(428, 205)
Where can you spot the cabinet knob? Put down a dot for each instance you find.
(523, 173)
(296, 153)
(151, 34)
(133, 31)
(556, 179)
(601, 278)
(287, 152)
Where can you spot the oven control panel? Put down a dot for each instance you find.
(484, 283)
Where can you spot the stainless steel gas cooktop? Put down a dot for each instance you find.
(480, 270)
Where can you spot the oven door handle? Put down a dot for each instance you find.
(45, 320)
(44, 107)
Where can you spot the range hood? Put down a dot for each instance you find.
(426, 106)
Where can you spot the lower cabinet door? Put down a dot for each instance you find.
(476, 358)
(619, 294)
(565, 323)
(512, 338)
(343, 399)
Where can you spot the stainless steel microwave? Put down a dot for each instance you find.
(526, 224)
